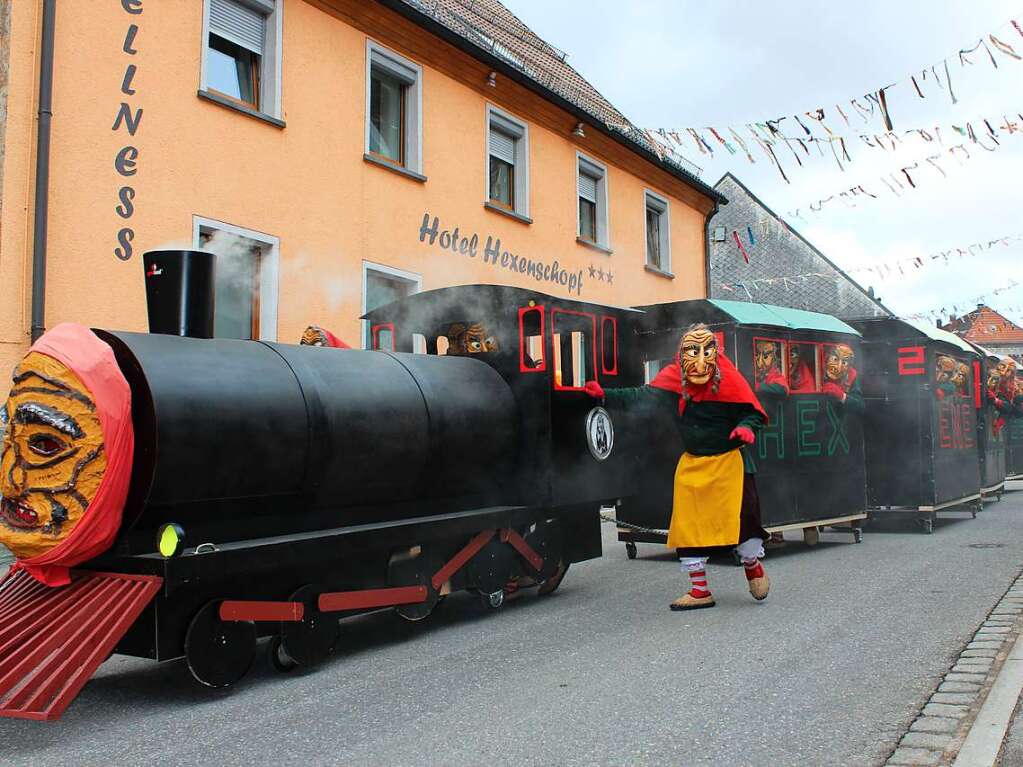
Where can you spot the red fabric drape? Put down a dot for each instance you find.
(733, 387)
(93, 362)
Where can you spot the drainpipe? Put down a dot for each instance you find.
(42, 171)
(706, 243)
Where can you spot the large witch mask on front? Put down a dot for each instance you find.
(53, 456)
(698, 357)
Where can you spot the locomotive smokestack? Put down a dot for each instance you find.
(180, 292)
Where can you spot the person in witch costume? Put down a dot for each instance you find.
(715, 497)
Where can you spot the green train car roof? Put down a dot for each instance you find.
(781, 316)
(937, 334)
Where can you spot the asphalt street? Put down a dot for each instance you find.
(828, 671)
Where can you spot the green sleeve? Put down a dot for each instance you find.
(772, 390)
(753, 420)
(641, 397)
(854, 402)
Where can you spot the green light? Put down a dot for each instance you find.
(170, 540)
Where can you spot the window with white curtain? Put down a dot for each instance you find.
(658, 243)
(591, 190)
(507, 162)
(393, 108)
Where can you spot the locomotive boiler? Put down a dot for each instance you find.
(175, 495)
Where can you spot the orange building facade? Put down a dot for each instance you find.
(334, 153)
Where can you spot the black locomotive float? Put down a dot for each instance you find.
(275, 488)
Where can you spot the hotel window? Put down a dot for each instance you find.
(591, 187)
(393, 108)
(246, 280)
(658, 250)
(507, 163)
(380, 286)
(242, 56)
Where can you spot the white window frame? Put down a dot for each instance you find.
(663, 203)
(599, 171)
(376, 53)
(270, 63)
(390, 271)
(513, 125)
(269, 269)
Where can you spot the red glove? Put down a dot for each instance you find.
(743, 434)
(594, 389)
(832, 389)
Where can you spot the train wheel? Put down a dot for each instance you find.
(492, 601)
(551, 584)
(312, 639)
(219, 653)
(415, 568)
(279, 659)
(630, 549)
(547, 539)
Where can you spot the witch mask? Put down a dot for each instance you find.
(314, 336)
(698, 356)
(838, 363)
(944, 369)
(53, 456)
(470, 340)
(766, 360)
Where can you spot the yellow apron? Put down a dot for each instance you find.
(708, 499)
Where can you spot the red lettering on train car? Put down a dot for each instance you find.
(944, 426)
(912, 361)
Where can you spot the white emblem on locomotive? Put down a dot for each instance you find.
(600, 433)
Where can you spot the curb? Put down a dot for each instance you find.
(963, 715)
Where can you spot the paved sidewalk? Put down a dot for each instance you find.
(965, 719)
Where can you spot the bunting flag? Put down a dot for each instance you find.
(872, 107)
(738, 242)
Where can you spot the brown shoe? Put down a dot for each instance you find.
(759, 587)
(688, 602)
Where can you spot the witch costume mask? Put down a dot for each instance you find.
(470, 340)
(698, 356)
(53, 456)
(766, 359)
(838, 364)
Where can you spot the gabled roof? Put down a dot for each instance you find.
(488, 31)
(986, 327)
(842, 296)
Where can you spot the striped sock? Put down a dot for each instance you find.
(753, 569)
(698, 584)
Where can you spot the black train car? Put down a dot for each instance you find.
(276, 488)
(991, 434)
(810, 456)
(923, 451)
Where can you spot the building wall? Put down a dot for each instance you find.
(307, 183)
(778, 253)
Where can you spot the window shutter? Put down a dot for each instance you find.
(502, 146)
(238, 23)
(588, 187)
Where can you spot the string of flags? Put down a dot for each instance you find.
(884, 271)
(902, 180)
(810, 129)
(942, 312)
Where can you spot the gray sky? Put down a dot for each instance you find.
(676, 64)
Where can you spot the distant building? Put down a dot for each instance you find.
(986, 327)
(784, 269)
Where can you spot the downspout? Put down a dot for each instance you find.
(706, 245)
(42, 171)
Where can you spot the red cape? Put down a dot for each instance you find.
(807, 382)
(93, 362)
(732, 387)
(333, 341)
